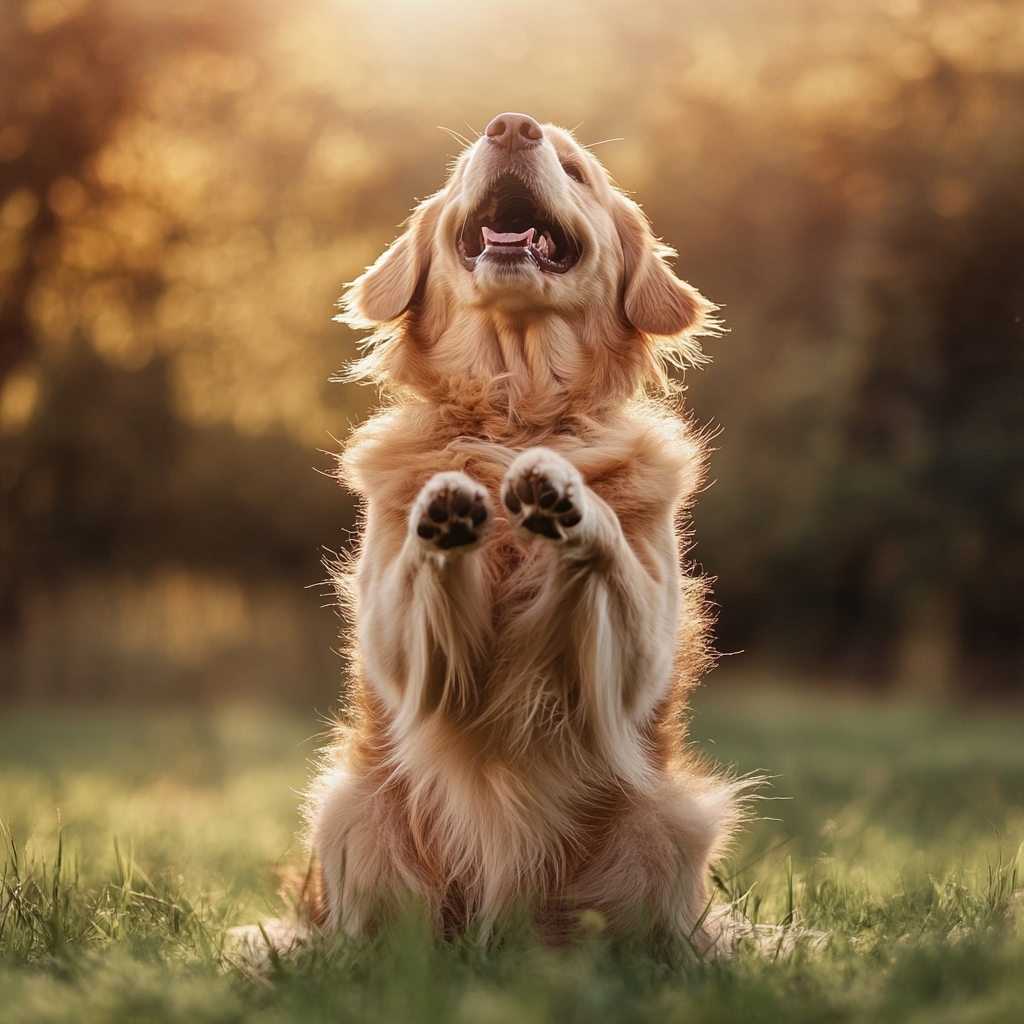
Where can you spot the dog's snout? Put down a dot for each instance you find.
(514, 131)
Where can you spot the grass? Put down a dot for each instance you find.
(134, 841)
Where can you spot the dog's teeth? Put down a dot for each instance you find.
(545, 245)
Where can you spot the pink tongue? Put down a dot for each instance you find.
(508, 238)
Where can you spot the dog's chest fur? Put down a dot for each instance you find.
(639, 461)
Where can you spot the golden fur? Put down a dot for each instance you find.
(514, 727)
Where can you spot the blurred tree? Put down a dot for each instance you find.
(183, 190)
(929, 489)
(102, 230)
(62, 90)
(115, 480)
(59, 100)
(886, 541)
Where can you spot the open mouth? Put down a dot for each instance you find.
(510, 227)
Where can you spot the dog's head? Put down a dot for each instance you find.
(528, 262)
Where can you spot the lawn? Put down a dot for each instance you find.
(888, 845)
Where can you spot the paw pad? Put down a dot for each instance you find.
(545, 495)
(452, 511)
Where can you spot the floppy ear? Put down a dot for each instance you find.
(386, 289)
(654, 300)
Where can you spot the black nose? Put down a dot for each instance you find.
(514, 131)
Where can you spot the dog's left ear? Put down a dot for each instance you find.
(384, 292)
(654, 300)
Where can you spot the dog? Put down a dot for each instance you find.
(526, 632)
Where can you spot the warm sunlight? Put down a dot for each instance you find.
(186, 190)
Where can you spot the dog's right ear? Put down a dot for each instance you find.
(386, 289)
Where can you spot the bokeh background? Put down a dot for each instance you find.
(185, 188)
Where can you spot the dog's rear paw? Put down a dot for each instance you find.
(452, 511)
(544, 493)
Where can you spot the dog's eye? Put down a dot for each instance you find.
(575, 172)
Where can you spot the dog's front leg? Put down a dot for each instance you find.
(612, 606)
(424, 618)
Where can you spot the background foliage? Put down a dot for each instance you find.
(184, 189)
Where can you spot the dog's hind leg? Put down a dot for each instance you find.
(424, 614)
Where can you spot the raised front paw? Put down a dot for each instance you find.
(545, 493)
(452, 511)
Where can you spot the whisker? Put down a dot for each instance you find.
(455, 135)
(591, 145)
(473, 130)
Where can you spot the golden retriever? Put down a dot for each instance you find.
(525, 637)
